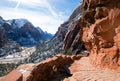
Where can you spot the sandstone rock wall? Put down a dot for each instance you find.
(101, 32)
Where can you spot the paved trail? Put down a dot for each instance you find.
(82, 70)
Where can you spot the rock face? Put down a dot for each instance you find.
(101, 31)
(98, 29)
(72, 37)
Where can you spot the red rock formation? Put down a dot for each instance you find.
(101, 32)
(52, 69)
(99, 29)
(15, 75)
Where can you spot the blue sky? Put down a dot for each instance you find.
(47, 14)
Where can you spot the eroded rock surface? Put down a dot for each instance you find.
(52, 69)
(101, 31)
(62, 68)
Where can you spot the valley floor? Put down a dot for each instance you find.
(16, 57)
(82, 70)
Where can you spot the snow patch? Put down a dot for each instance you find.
(18, 22)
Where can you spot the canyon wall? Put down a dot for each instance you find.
(98, 30)
(101, 32)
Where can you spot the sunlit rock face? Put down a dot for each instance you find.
(101, 31)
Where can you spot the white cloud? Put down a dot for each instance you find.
(47, 22)
(39, 3)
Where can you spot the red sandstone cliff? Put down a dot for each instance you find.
(99, 29)
(101, 32)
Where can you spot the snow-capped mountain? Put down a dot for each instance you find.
(18, 22)
(23, 32)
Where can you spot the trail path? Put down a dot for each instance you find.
(82, 70)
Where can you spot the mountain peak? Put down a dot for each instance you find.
(19, 22)
(23, 32)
